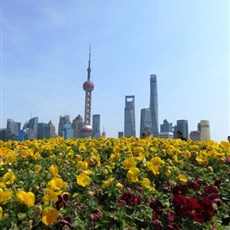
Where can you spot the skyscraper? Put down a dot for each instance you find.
(182, 125)
(88, 86)
(77, 125)
(203, 127)
(154, 104)
(166, 126)
(62, 121)
(12, 129)
(96, 126)
(129, 126)
(32, 128)
(146, 120)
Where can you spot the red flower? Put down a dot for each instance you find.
(66, 221)
(178, 204)
(95, 216)
(156, 206)
(62, 201)
(193, 185)
(157, 225)
(207, 209)
(173, 226)
(128, 198)
(180, 189)
(170, 216)
(211, 189)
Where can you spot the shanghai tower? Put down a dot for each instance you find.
(154, 104)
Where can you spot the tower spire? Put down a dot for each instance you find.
(89, 68)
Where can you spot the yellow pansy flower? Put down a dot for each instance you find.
(182, 178)
(5, 195)
(49, 216)
(156, 161)
(83, 180)
(119, 186)
(107, 183)
(146, 183)
(82, 165)
(54, 170)
(57, 183)
(132, 174)
(129, 163)
(37, 168)
(155, 169)
(50, 195)
(8, 178)
(138, 150)
(26, 198)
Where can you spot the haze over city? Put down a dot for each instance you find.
(45, 48)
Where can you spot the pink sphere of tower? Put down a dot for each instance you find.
(88, 86)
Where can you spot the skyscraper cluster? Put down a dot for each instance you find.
(149, 124)
(79, 128)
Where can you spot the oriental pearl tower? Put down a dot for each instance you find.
(88, 86)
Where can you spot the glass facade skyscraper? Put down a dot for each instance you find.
(154, 104)
(96, 126)
(182, 125)
(146, 121)
(129, 126)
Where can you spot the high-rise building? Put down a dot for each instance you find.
(204, 128)
(146, 120)
(195, 135)
(154, 104)
(77, 125)
(88, 86)
(182, 125)
(32, 128)
(46, 130)
(12, 129)
(3, 134)
(129, 126)
(120, 134)
(166, 126)
(96, 126)
(62, 120)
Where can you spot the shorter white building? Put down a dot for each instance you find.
(168, 135)
(204, 128)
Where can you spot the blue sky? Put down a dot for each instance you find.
(44, 58)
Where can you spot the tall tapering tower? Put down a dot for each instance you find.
(154, 104)
(88, 86)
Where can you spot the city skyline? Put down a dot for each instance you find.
(186, 44)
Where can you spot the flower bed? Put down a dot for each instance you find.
(126, 183)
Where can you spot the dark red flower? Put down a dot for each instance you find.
(156, 206)
(207, 209)
(211, 189)
(157, 225)
(180, 189)
(95, 216)
(173, 226)
(178, 203)
(66, 221)
(192, 208)
(128, 198)
(62, 201)
(138, 188)
(170, 216)
(193, 185)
